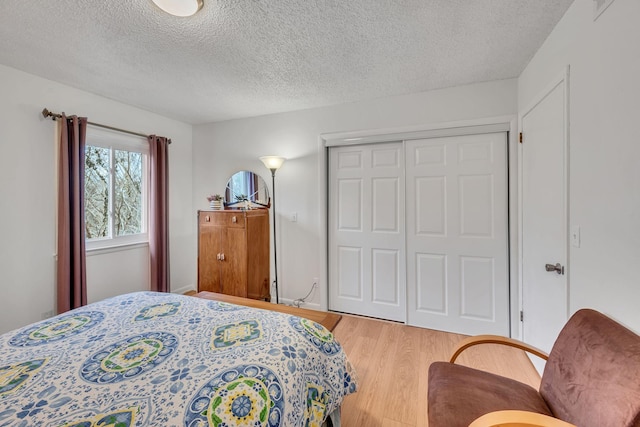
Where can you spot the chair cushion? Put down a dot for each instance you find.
(592, 377)
(458, 395)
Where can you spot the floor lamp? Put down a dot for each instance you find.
(273, 163)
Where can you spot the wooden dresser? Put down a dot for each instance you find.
(233, 252)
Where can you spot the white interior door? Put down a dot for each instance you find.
(457, 233)
(544, 219)
(366, 230)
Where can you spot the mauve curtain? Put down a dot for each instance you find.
(71, 266)
(253, 186)
(159, 212)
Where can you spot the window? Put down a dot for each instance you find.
(116, 199)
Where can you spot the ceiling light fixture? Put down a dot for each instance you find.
(179, 7)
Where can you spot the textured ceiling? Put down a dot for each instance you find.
(241, 58)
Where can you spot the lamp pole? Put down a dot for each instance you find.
(273, 163)
(275, 251)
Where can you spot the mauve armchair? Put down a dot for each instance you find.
(591, 379)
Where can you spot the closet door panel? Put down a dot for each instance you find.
(457, 241)
(366, 231)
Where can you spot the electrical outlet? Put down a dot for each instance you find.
(294, 217)
(47, 314)
(316, 281)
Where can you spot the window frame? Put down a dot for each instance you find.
(113, 140)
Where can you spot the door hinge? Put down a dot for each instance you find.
(521, 316)
(521, 138)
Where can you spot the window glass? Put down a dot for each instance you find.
(96, 192)
(115, 189)
(127, 212)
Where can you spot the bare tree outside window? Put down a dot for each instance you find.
(96, 191)
(125, 181)
(127, 211)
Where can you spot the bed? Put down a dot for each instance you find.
(156, 359)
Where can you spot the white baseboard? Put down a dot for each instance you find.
(184, 289)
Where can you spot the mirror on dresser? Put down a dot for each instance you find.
(246, 189)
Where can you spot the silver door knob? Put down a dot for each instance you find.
(557, 268)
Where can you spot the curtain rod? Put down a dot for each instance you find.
(46, 113)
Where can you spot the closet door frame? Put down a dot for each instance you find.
(467, 127)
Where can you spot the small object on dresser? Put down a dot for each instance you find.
(216, 202)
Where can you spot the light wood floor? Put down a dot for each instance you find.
(392, 362)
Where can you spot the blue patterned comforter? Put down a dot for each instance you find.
(151, 359)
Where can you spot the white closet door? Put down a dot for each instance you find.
(457, 242)
(366, 231)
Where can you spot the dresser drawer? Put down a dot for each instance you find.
(222, 218)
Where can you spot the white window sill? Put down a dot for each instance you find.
(115, 248)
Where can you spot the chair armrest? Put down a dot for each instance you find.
(495, 339)
(518, 419)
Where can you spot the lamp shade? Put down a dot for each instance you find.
(272, 162)
(179, 7)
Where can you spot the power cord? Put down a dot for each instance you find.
(298, 302)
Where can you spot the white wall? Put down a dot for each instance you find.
(27, 197)
(604, 59)
(116, 272)
(220, 149)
